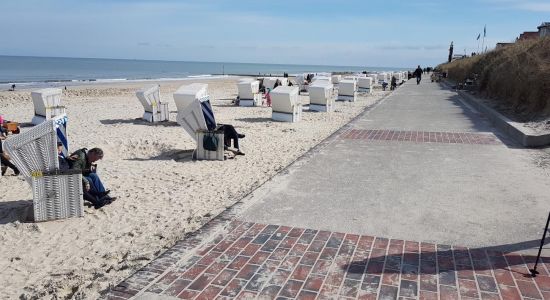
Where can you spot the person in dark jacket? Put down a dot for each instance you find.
(418, 74)
(393, 83)
(94, 191)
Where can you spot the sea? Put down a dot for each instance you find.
(29, 71)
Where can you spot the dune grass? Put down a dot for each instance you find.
(516, 76)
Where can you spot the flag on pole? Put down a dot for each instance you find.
(485, 31)
(478, 36)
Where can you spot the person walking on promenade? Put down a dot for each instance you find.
(418, 74)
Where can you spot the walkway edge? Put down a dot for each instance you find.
(521, 134)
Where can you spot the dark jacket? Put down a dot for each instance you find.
(418, 72)
(79, 161)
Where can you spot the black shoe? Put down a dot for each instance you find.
(105, 200)
(16, 172)
(239, 152)
(103, 194)
(4, 169)
(99, 203)
(241, 136)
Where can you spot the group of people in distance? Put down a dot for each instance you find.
(84, 160)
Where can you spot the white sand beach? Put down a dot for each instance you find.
(162, 193)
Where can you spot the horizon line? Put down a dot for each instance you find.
(191, 61)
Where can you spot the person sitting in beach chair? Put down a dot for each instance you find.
(229, 132)
(94, 191)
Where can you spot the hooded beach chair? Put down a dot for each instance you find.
(383, 77)
(57, 194)
(301, 82)
(155, 109)
(196, 116)
(374, 78)
(347, 90)
(269, 82)
(336, 79)
(249, 93)
(364, 84)
(47, 104)
(320, 96)
(327, 79)
(286, 104)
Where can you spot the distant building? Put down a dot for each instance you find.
(502, 45)
(528, 35)
(544, 29)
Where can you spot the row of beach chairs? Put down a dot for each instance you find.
(58, 194)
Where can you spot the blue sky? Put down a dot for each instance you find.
(390, 33)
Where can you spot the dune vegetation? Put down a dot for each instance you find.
(516, 77)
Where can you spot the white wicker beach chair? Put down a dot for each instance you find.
(327, 79)
(382, 77)
(347, 90)
(269, 82)
(56, 194)
(286, 104)
(364, 84)
(47, 104)
(320, 96)
(374, 78)
(195, 115)
(155, 109)
(336, 79)
(249, 93)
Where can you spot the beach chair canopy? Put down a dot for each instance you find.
(35, 150)
(186, 94)
(283, 98)
(194, 110)
(347, 87)
(320, 91)
(382, 77)
(46, 98)
(248, 89)
(322, 78)
(364, 82)
(149, 97)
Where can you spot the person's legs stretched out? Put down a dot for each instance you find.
(230, 134)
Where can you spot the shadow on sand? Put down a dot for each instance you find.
(174, 154)
(138, 121)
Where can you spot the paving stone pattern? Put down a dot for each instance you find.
(257, 261)
(423, 136)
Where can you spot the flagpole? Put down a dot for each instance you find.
(484, 34)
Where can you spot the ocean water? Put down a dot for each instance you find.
(55, 71)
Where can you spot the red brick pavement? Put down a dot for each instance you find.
(252, 260)
(423, 136)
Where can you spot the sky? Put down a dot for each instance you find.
(389, 33)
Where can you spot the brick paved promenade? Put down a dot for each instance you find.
(416, 199)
